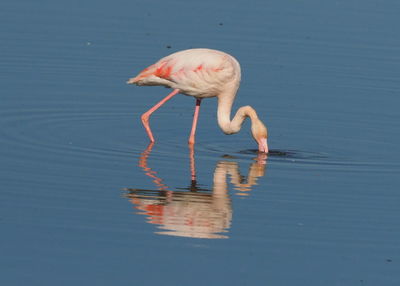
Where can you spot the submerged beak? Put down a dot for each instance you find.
(263, 145)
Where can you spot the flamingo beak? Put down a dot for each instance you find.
(263, 145)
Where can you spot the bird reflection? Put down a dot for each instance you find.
(194, 211)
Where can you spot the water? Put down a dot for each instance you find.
(86, 200)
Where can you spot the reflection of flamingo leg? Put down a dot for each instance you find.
(195, 117)
(194, 213)
(147, 114)
(223, 168)
(148, 171)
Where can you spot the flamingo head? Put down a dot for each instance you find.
(260, 134)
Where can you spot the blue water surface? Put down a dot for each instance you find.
(86, 201)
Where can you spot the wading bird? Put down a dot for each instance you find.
(202, 73)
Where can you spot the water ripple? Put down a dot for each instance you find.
(311, 159)
(61, 131)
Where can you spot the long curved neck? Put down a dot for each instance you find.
(227, 125)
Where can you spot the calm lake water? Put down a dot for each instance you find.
(86, 201)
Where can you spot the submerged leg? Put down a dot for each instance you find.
(195, 117)
(146, 116)
(192, 164)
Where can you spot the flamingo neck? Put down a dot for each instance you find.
(233, 126)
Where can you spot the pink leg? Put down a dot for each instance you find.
(192, 163)
(195, 117)
(146, 115)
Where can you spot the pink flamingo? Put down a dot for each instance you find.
(202, 73)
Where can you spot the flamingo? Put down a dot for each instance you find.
(202, 73)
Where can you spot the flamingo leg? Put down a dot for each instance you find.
(146, 116)
(192, 164)
(195, 117)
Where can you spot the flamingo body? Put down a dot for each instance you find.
(202, 73)
(196, 72)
